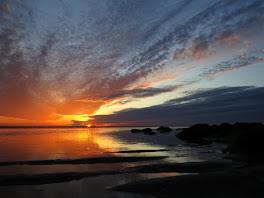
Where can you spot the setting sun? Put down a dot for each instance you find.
(88, 125)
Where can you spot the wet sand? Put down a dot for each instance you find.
(214, 184)
(83, 160)
(190, 167)
(140, 151)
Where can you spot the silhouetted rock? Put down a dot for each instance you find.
(164, 129)
(242, 138)
(136, 130)
(194, 132)
(225, 126)
(147, 130)
(249, 146)
(251, 142)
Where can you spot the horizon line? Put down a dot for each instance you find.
(63, 126)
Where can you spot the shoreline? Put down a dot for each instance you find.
(188, 167)
(243, 144)
(225, 183)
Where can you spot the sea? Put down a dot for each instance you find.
(21, 146)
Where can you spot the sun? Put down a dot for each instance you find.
(88, 125)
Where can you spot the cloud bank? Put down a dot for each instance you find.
(224, 104)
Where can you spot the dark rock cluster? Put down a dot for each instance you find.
(245, 139)
(164, 129)
(149, 131)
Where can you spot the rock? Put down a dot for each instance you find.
(243, 139)
(147, 130)
(196, 134)
(223, 131)
(136, 130)
(249, 146)
(164, 129)
(197, 131)
(225, 126)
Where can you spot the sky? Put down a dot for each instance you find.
(131, 62)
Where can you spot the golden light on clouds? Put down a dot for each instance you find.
(5, 8)
(260, 59)
(56, 69)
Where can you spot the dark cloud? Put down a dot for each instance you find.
(132, 94)
(78, 123)
(141, 93)
(226, 104)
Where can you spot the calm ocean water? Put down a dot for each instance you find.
(27, 144)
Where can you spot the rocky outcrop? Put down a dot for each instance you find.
(164, 129)
(136, 130)
(147, 131)
(241, 138)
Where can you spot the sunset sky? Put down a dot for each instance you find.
(131, 62)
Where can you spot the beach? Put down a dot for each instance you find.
(113, 162)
